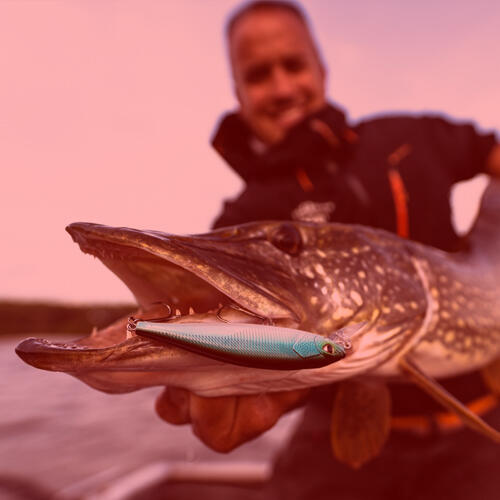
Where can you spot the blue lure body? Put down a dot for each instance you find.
(256, 346)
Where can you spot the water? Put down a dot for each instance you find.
(67, 438)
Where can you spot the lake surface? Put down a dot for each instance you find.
(66, 438)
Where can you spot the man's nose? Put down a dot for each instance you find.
(281, 82)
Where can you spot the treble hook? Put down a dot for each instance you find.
(132, 322)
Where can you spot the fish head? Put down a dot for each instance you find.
(313, 277)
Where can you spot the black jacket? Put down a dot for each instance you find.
(393, 172)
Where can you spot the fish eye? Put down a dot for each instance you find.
(328, 348)
(288, 239)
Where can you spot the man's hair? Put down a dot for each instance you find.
(261, 6)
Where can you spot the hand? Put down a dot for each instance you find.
(223, 423)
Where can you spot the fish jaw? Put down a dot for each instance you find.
(211, 268)
(114, 360)
(272, 270)
(136, 363)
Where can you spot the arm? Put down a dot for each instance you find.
(493, 162)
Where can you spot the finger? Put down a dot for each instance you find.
(224, 423)
(172, 405)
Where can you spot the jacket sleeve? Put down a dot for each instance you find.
(462, 149)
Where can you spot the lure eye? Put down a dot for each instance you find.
(288, 239)
(328, 348)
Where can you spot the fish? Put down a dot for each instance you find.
(259, 346)
(426, 314)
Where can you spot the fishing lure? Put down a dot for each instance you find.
(256, 346)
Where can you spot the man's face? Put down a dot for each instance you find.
(277, 73)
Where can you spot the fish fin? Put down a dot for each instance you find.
(491, 376)
(360, 421)
(442, 396)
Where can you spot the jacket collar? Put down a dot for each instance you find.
(323, 133)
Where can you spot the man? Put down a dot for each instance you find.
(301, 160)
(321, 168)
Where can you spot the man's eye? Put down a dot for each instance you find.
(293, 64)
(257, 74)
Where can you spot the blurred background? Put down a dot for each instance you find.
(106, 114)
(107, 109)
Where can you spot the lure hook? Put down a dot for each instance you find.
(132, 321)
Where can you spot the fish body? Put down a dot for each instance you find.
(441, 310)
(258, 346)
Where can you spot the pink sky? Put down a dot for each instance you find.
(106, 110)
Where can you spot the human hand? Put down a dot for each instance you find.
(224, 423)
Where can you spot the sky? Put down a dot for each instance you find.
(107, 109)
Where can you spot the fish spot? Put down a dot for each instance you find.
(379, 269)
(399, 307)
(356, 297)
(336, 296)
(445, 315)
(327, 324)
(355, 250)
(341, 285)
(324, 290)
(386, 310)
(362, 274)
(321, 253)
(342, 312)
(313, 300)
(434, 292)
(413, 305)
(449, 336)
(319, 269)
(308, 272)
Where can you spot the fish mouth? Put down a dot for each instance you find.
(190, 271)
(201, 278)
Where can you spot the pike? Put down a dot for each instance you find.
(425, 314)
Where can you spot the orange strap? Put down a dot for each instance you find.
(399, 194)
(304, 180)
(444, 421)
(326, 132)
(400, 203)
